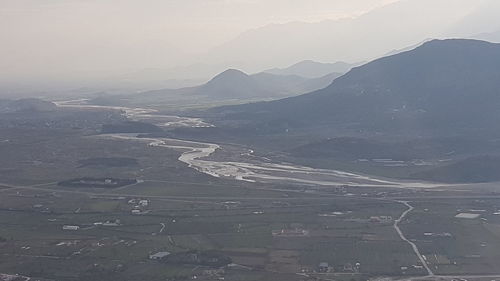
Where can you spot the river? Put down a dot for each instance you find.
(197, 156)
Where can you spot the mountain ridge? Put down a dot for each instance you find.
(413, 90)
(233, 83)
(313, 69)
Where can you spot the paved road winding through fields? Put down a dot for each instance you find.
(403, 237)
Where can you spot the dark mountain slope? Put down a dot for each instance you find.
(350, 148)
(483, 168)
(450, 85)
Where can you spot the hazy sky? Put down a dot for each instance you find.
(206, 22)
(93, 38)
(79, 36)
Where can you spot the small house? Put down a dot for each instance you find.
(159, 255)
(323, 267)
(70, 227)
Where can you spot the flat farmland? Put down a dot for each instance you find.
(277, 231)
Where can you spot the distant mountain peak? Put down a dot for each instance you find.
(231, 83)
(230, 78)
(306, 62)
(235, 84)
(230, 73)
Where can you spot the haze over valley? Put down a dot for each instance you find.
(277, 140)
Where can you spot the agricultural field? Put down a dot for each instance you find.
(454, 245)
(242, 231)
(76, 205)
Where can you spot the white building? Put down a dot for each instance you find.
(467, 216)
(70, 227)
(159, 255)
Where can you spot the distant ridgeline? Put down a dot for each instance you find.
(231, 86)
(448, 86)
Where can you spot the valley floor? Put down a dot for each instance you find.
(274, 221)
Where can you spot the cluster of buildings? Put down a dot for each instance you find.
(438, 235)
(140, 206)
(467, 216)
(108, 223)
(71, 227)
(16, 277)
(231, 204)
(325, 267)
(159, 256)
(214, 274)
(412, 267)
(115, 222)
(296, 232)
(381, 219)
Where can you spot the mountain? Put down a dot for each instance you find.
(377, 32)
(441, 86)
(430, 113)
(312, 69)
(409, 48)
(235, 84)
(230, 85)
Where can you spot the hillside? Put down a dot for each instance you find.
(229, 87)
(444, 85)
(351, 148)
(437, 102)
(235, 84)
(362, 38)
(476, 169)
